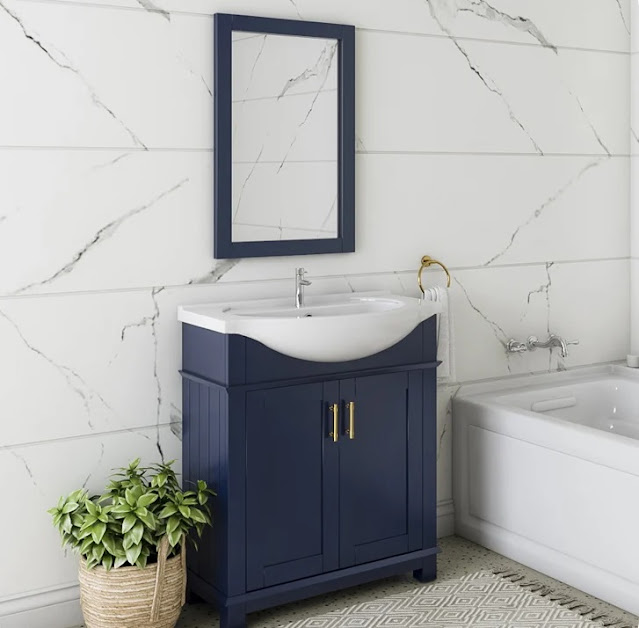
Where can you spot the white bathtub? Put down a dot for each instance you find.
(547, 473)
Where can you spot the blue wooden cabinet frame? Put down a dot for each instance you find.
(224, 247)
(297, 512)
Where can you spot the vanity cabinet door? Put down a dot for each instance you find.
(380, 467)
(291, 484)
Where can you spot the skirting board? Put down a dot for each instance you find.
(54, 608)
(445, 518)
(60, 608)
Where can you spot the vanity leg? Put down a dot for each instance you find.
(428, 570)
(233, 616)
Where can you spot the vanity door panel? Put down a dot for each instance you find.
(290, 493)
(380, 467)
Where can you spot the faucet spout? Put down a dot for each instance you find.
(300, 282)
(553, 341)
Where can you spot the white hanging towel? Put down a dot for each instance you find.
(445, 339)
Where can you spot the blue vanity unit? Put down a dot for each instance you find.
(324, 471)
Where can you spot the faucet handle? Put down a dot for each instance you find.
(514, 346)
(572, 342)
(299, 277)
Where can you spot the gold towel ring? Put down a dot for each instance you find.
(427, 261)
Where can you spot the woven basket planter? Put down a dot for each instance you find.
(130, 597)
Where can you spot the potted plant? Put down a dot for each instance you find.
(132, 544)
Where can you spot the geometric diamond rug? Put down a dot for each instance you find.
(479, 600)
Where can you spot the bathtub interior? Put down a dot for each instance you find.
(609, 403)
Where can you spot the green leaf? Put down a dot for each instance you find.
(77, 520)
(148, 520)
(147, 500)
(119, 561)
(128, 523)
(88, 522)
(98, 531)
(173, 524)
(70, 507)
(198, 515)
(91, 563)
(86, 546)
(109, 543)
(83, 533)
(137, 532)
(121, 509)
(107, 561)
(133, 553)
(128, 541)
(174, 537)
(67, 524)
(185, 510)
(141, 512)
(92, 509)
(167, 511)
(130, 497)
(98, 552)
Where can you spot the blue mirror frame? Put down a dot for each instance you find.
(225, 248)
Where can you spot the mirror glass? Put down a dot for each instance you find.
(285, 137)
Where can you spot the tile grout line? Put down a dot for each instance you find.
(407, 153)
(64, 439)
(209, 16)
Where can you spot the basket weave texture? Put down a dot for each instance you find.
(130, 597)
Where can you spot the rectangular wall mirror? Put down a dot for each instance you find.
(284, 137)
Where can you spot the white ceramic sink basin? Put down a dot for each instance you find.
(329, 328)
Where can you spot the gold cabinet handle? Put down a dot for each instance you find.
(351, 420)
(335, 433)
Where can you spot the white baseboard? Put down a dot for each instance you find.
(53, 608)
(60, 607)
(445, 519)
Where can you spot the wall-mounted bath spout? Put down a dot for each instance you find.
(514, 346)
(553, 341)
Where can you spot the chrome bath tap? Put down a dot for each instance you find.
(553, 341)
(514, 346)
(300, 282)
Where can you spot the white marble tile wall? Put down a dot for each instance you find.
(492, 134)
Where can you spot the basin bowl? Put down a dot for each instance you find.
(328, 328)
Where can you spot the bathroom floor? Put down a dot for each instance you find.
(458, 557)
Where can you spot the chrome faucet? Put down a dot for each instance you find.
(553, 341)
(300, 282)
(514, 346)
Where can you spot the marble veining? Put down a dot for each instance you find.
(446, 11)
(62, 61)
(538, 212)
(148, 5)
(484, 10)
(103, 234)
(73, 379)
